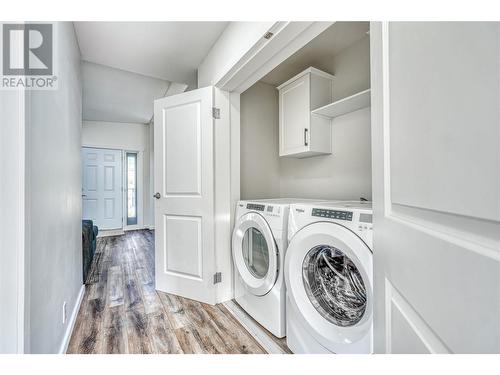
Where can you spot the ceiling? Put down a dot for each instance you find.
(116, 95)
(171, 51)
(126, 65)
(319, 52)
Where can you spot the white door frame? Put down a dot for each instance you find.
(140, 184)
(263, 57)
(266, 54)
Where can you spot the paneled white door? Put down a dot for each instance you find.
(436, 187)
(184, 185)
(102, 187)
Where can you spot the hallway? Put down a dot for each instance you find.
(123, 313)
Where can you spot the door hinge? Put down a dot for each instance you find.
(217, 277)
(216, 113)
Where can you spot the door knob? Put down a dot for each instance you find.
(157, 195)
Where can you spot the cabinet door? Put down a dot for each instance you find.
(294, 116)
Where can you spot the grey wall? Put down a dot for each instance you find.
(260, 165)
(345, 174)
(53, 129)
(351, 68)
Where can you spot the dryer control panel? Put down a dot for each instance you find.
(332, 214)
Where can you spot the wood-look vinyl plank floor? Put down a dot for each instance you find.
(123, 313)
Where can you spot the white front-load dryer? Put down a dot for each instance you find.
(258, 245)
(328, 272)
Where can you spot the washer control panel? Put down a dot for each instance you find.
(332, 214)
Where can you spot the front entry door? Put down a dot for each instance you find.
(436, 186)
(102, 187)
(184, 209)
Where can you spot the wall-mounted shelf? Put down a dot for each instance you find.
(341, 107)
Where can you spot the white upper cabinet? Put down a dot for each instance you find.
(302, 133)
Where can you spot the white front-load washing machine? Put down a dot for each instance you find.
(328, 273)
(259, 243)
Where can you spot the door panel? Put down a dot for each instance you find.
(109, 177)
(183, 232)
(451, 67)
(436, 186)
(295, 114)
(90, 178)
(184, 177)
(89, 209)
(182, 140)
(102, 187)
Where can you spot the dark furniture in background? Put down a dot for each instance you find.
(89, 243)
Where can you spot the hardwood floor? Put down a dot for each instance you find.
(123, 313)
(280, 342)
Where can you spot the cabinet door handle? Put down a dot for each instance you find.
(305, 136)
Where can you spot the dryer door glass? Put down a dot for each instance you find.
(334, 285)
(255, 253)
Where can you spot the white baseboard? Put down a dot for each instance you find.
(110, 232)
(137, 227)
(72, 321)
(120, 232)
(257, 333)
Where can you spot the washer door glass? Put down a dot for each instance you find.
(334, 285)
(255, 253)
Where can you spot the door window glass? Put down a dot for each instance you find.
(131, 188)
(255, 253)
(334, 285)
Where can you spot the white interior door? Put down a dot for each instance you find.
(436, 190)
(102, 187)
(184, 181)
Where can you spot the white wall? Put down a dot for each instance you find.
(129, 137)
(12, 224)
(345, 174)
(53, 199)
